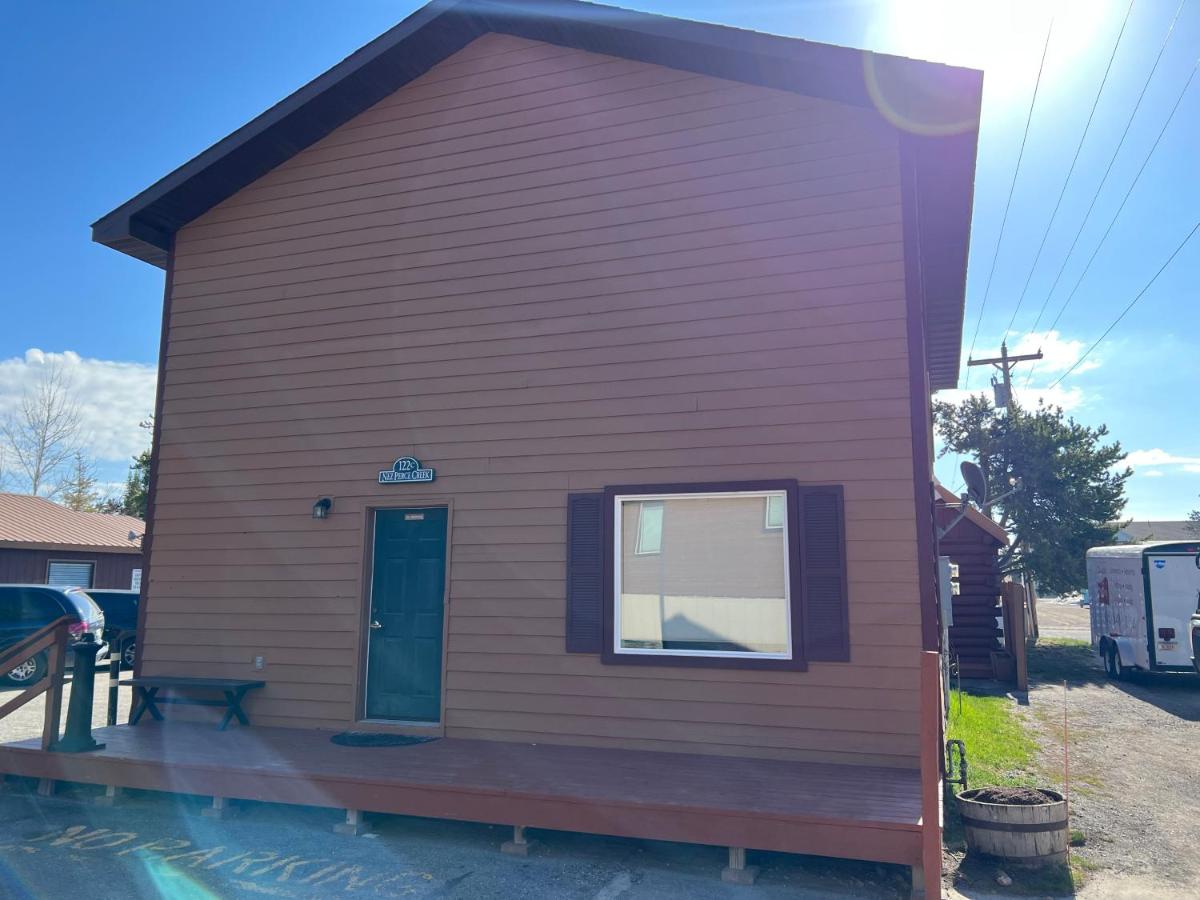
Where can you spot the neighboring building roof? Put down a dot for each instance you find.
(1121, 550)
(973, 515)
(36, 523)
(1142, 532)
(935, 108)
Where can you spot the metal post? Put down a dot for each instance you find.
(114, 674)
(78, 737)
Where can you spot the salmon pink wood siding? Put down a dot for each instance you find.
(540, 271)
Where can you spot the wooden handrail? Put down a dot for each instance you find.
(39, 640)
(53, 638)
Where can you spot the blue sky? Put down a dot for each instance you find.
(103, 99)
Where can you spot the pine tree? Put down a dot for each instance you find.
(1072, 491)
(78, 489)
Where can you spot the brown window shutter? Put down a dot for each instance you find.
(585, 572)
(823, 574)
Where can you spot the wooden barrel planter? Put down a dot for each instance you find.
(1025, 826)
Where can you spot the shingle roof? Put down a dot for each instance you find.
(27, 521)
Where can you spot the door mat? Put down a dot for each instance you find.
(376, 739)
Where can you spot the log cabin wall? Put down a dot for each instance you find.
(975, 632)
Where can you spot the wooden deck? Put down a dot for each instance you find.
(846, 811)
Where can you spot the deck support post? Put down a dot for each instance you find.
(520, 845)
(111, 796)
(220, 809)
(918, 882)
(737, 872)
(355, 824)
(46, 787)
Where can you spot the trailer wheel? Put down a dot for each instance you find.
(1120, 671)
(1112, 664)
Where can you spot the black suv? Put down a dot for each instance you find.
(28, 608)
(120, 621)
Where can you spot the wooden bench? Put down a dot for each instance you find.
(146, 688)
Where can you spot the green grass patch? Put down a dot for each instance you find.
(1000, 749)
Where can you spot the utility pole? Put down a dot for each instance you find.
(1004, 364)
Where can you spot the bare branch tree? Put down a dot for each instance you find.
(43, 435)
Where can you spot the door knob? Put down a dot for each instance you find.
(375, 624)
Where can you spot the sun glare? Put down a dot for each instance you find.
(1002, 37)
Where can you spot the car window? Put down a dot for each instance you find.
(10, 604)
(40, 607)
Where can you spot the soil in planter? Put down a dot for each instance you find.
(1014, 796)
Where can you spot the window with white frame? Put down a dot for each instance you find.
(65, 573)
(697, 574)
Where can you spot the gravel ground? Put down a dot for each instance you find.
(1135, 775)
(1064, 620)
(1133, 752)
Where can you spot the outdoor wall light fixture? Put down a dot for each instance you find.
(321, 508)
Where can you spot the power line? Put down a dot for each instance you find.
(1108, 169)
(1116, 215)
(1008, 204)
(1070, 171)
(1132, 304)
(1128, 193)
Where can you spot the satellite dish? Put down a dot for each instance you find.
(977, 491)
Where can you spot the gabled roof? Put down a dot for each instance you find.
(34, 522)
(1141, 532)
(936, 107)
(974, 516)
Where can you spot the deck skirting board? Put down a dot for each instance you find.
(554, 808)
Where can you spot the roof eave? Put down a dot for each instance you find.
(54, 547)
(143, 226)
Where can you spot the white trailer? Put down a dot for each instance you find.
(1143, 597)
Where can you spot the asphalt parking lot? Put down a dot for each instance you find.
(159, 845)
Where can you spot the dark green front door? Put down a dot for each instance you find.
(404, 645)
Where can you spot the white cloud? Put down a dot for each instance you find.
(1058, 353)
(1153, 473)
(1032, 381)
(113, 397)
(1069, 398)
(1159, 457)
